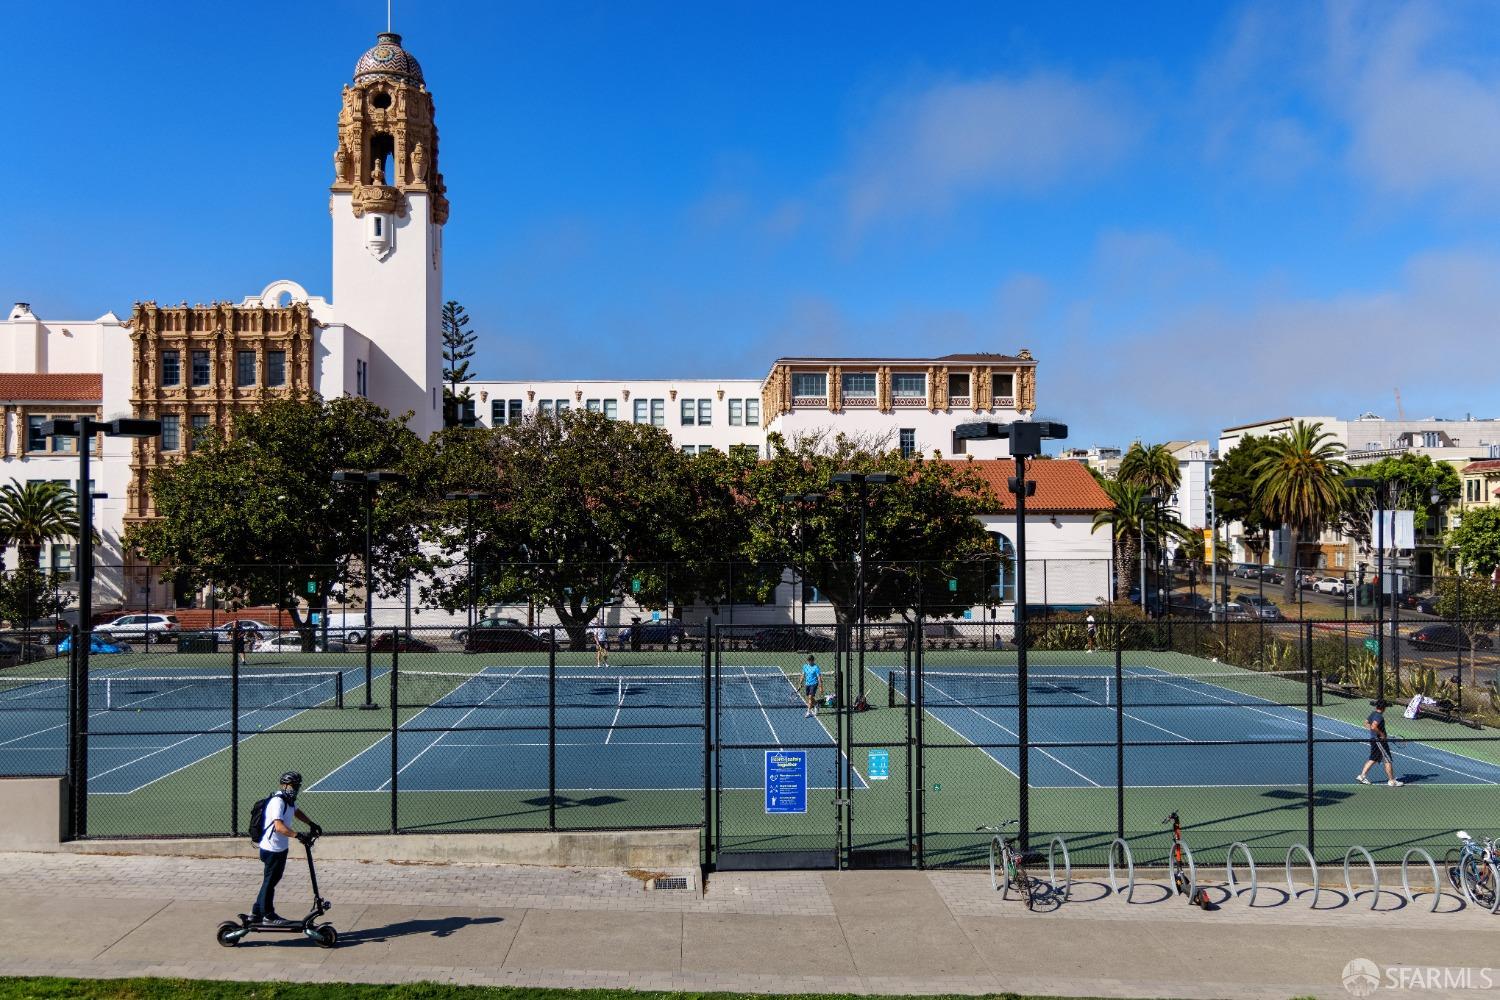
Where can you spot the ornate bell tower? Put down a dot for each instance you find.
(389, 206)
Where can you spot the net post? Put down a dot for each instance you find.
(338, 686)
(236, 644)
(395, 723)
(552, 729)
(1312, 806)
(1119, 727)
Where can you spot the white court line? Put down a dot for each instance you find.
(95, 715)
(831, 739)
(763, 712)
(619, 707)
(402, 770)
(1001, 726)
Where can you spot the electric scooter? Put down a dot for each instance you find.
(324, 935)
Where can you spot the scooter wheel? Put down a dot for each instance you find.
(229, 934)
(327, 936)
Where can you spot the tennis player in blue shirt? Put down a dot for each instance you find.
(812, 680)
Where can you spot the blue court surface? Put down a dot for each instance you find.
(488, 731)
(1181, 716)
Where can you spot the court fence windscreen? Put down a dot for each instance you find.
(883, 744)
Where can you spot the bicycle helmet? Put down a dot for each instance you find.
(291, 778)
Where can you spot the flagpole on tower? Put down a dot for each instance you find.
(387, 17)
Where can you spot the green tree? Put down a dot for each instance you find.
(921, 532)
(458, 348)
(1151, 466)
(35, 513)
(1477, 540)
(1234, 492)
(1133, 511)
(578, 507)
(1419, 478)
(259, 514)
(1473, 605)
(1300, 483)
(27, 593)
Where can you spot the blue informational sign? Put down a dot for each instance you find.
(786, 781)
(968, 614)
(880, 765)
(316, 618)
(656, 616)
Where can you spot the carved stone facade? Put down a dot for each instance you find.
(280, 340)
(777, 399)
(387, 112)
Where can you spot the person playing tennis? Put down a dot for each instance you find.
(1093, 632)
(601, 643)
(1380, 747)
(812, 681)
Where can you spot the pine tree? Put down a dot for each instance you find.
(458, 348)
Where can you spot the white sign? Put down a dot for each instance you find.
(1400, 530)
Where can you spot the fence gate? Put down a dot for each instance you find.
(878, 708)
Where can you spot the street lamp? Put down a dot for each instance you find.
(864, 480)
(371, 482)
(468, 496)
(1026, 437)
(804, 502)
(1379, 489)
(83, 429)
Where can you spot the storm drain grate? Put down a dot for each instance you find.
(680, 884)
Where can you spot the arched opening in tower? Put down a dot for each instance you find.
(382, 156)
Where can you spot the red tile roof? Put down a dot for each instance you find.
(1488, 465)
(82, 387)
(1062, 486)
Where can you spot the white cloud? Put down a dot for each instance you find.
(927, 149)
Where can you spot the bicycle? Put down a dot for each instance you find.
(1179, 865)
(1476, 873)
(1008, 864)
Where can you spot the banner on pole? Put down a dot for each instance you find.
(1400, 530)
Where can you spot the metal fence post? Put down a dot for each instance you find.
(395, 725)
(718, 734)
(914, 701)
(236, 644)
(77, 707)
(708, 743)
(552, 729)
(1119, 728)
(1312, 806)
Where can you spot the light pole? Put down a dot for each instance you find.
(1026, 437)
(864, 480)
(468, 496)
(371, 482)
(805, 502)
(1378, 488)
(83, 429)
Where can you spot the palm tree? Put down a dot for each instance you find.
(1132, 506)
(1300, 483)
(33, 514)
(1151, 466)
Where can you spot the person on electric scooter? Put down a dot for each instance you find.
(275, 844)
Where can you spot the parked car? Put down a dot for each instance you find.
(657, 633)
(14, 651)
(291, 642)
(97, 644)
(1247, 571)
(462, 634)
(1261, 607)
(140, 628)
(1335, 585)
(47, 631)
(1447, 637)
(1424, 603)
(1195, 605)
(1232, 610)
(793, 640)
(345, 626)
(1270, 574)
(401, 642)
(503, 639)
(1306, 580)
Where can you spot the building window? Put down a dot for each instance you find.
(689, 412)
(361, 377)
(688, 449)
(64, 444)
(563, 406)
(544, 407)
(199, 427)
(1003, 386)
(171, 367)
(276, 368)
(752, 413)
(35, 439)
(497, 412)
(62, 558)
(1430, 439)
(908, 442)
(809, 384)
(958, 385)
(859, 384)
(516, 412)
(658, 413)
(641, 415)
(612, 409)
(745, 450)
(244, 368)
(171, 432)
(909, 386)
(736, 412)
(202, 370)
(593, 406)
(705, 412)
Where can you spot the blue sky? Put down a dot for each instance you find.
(1194, 216)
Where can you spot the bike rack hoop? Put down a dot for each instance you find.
(1374, 872)
(1437, 882)
(1312, 865)
(1052, 848)
(1229, 871)
(1119, 842)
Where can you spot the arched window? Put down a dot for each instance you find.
(1003, 585)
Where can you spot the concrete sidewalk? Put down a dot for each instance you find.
(855, 932)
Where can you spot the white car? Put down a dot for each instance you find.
(140, 628)
(291, 642)
(1332, 585)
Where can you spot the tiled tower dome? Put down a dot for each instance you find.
(387, 58)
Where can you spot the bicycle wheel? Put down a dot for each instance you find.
(1023, 885)
(997, 865)
(1478, 878)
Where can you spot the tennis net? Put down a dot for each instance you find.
(292, 691)
(766, 689)
(1002, 689)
